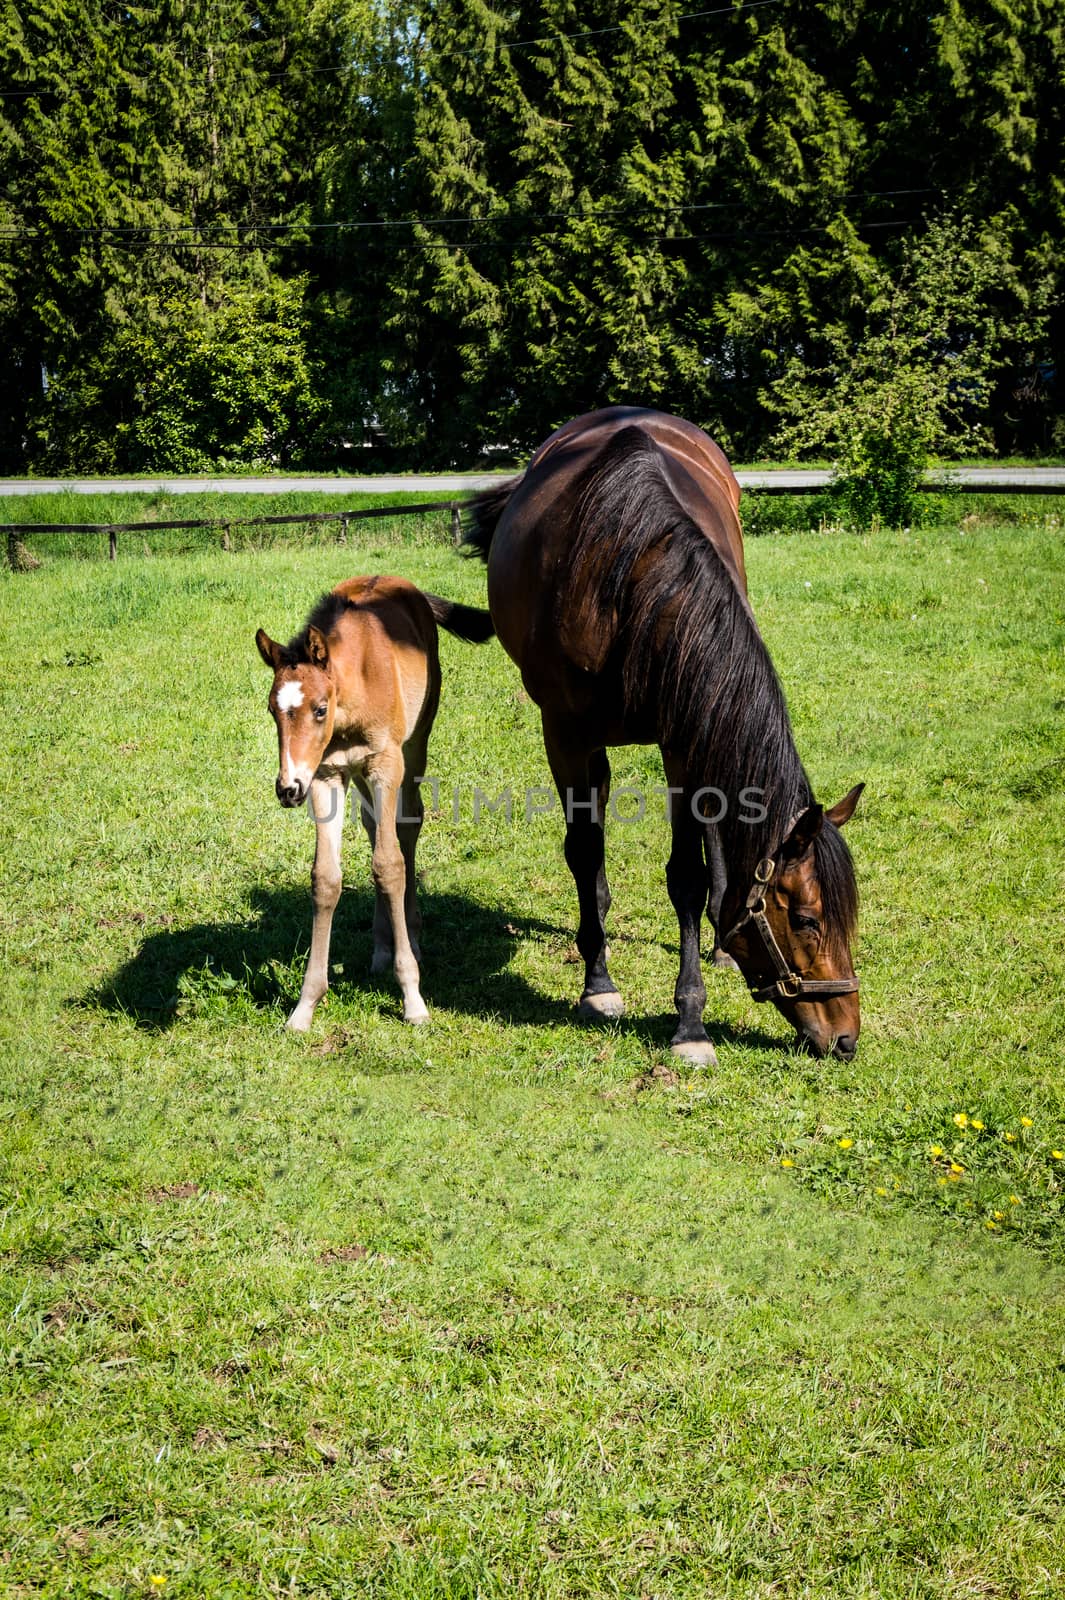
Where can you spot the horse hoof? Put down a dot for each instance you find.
(416, 1019)
(724, 962)
(601, 1007)
(299, 1021)
(696, 1052)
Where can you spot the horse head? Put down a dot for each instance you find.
(791, 938)
(303, 703)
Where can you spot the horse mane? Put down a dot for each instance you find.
(325, 614)
(641, 570)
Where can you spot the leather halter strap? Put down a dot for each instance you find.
(788, 984)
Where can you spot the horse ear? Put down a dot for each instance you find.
(843, 810)
(269, 649)
(803, 834)
(317, 649)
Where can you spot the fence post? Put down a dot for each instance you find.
(112, 545)
(456, 524)
(343, 530)
(225, 537)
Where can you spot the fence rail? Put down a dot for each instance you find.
(15, 530)
(814, 483)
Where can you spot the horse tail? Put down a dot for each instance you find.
(465, 622)
(483, 512)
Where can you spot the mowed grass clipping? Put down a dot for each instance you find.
(506, 1306)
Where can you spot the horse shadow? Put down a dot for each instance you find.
(466, 968)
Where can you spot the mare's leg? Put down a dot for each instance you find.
(599, 775)
(328, 796)
(381, 960)
(583, 782)
(390, 879)
(715, 863)
(686, 878)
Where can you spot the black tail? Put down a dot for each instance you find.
(465, 622)
(482, 513)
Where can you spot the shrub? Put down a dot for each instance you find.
(912, 381)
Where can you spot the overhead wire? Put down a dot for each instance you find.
(510, 44)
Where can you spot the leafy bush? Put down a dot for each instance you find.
(187, 388)
(914, 381)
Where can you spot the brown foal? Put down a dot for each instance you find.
(354, 697)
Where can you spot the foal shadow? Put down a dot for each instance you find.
(467, 951)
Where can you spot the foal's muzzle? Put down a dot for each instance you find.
(290, 794)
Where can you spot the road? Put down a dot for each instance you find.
(778, 480)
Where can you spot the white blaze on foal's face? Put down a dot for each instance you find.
(290, 695)
(303, 705)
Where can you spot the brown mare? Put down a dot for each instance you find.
(616, 582)
(354, 697)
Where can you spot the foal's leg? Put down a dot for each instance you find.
(390, 879)
(328, 796)
(408, 828)
(381, 960)
(583, 782)
(686, 878)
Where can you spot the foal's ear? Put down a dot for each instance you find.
(317, 649)
(269, 649)
(803, 834)
(843, 810)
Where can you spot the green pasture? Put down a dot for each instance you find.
(506, 1306)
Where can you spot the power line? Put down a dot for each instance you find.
(509, 44)
(162, 246)
(584, 33)
(172, 232)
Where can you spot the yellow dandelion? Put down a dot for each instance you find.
(1026, 1122)
(1015, 1199)
(977, 1124)
(1010, 1138)
(941, 1181)
(992, 1225)
(786, 1161)
(881, 1191)
(1058, 1155)
(845, 1144)
(956, 1167)
(960, 1120)
(998, 1215)
(935, 1150)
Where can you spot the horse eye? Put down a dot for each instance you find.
(809, 924)
(319, 713)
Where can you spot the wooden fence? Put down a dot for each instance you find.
(17, 530)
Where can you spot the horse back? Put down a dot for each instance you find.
(698, 470)
(558, 621)
(386, 656)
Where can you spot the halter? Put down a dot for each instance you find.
(788, 984)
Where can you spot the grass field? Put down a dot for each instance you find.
(501, 1307)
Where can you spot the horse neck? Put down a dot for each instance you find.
(763, 781)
